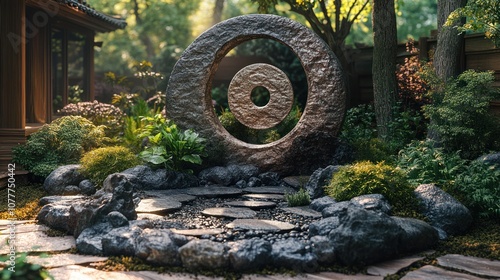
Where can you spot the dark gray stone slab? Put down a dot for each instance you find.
(233, 212)
(303, 211)
(214, 191)
(261, 225)
(431, 272)
(478, 266)
(181, 197)
(197, 232)
(269, 190)
(392, 266)
(264, 196)
(253, 204)
(158, 205)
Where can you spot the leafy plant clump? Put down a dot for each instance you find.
(170, 147)
(99, 163)
(369, 178)
(300, 198)
(61, 142)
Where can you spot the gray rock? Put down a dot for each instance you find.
(250, 254)
(260, 225)
(117, 219)
(160, 246)
(60, 200)
(319, 179)
(303, 211)
(87, 187)
(321, 203)
(293, 254)
(323, 248)
(443, 210)
(270, 179)
(63, 176)
(89, 241)
(246, 171)
(374, 202)
(214, 191)
(324, 226)
(365, 237)
(56, 216)
(490, 159)
(254, 182)
(336, 209)
(121, 241)
(158, 205)
(204, 254)
(241, 184)
(235, 213)
(419, 236)
(253, 204)
(269, 190)
(71, 190)
(218, 175)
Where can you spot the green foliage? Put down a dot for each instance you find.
(170, 147)
(479, 185)
(23, 270)
(99, 163)
(61, 142)
(98, 113)
(374, 150)
(482, 16)
(300, 198)
(359, 124)
(369, 178)
(424, 163)
(460, 114)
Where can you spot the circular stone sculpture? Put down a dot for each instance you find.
(310, 144)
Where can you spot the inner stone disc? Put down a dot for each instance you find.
(239, 96)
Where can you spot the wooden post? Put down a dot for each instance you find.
(424, 49)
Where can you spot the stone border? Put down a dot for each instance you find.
(189, 101)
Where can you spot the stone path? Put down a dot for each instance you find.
(236, 212)
(253, 204)
(158, 205)
(260, 225)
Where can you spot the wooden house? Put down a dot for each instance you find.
(47, 60)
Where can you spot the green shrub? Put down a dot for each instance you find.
(374, 150)
(300, 198)
(424, 163)
(23, 270)
(61, 142)
(369, 178)
(479, 187)
(359, 124)
(460, 114)
(99, 163)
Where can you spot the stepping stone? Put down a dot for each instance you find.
(23, 228)
(147, 216)
(478, 266)
(266, 196)
(37, 242)
(67, 199)
(272, 190)
(233, 212)
(253, 204)
(303, 211)
(431, 272)
(172, 194)
(197, 232)
(261, 225)
(59, 260)
(214, 191)
(392, 266)
(7, 223)
(296, 181)
(158, 205)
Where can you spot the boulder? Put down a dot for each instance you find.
(293, 254)
(323, 248)
(89, 242)
(490, 159)
(226, 176)
(336, 209)
(56, 216)
(319, 179)
(324, 226)
(63, 176)
(270, 179)
(374, 202)
(204, 254)
(419, 235)
(87, 187)
(321, 203)
(250, 254)
(71, 190)
(117, 219)
(443, 210)
(160, 246)
(121, 241)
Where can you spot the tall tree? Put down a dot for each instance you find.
(449, 41)
(217, 13)
(384, 63)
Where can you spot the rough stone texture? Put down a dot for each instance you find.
(490, 159)
(303, 211)
(321, 203)
(218, 175)
(117, 219)
(336, 209)
(374, 202)
(260, 225)
(71, 190)
(204, 254)
(477, 266)
(214, 191)
(239, 96)
(324, 226)
(293, 254)
(323, 248)
(61, 200)
(158, 205)
(87, 187)
(270, 178)
(189, 102)
(63, 176)
(319, 179)
(253, 204)
(56, 216)
(89, 241)
(418, 235)
(160, 246)
(365, 237)
(431, 272)
(235, 213)
(296, 181)
(121, 241)
(250, 254)
(443, 210)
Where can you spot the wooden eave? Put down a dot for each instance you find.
(102, 23)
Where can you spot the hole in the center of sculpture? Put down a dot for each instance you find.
(260, 96)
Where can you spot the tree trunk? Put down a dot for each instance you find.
(384, 63)
(449, 49)
(150, 51)
(217, 13)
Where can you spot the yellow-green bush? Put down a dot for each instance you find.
(99, 163)
(369, 178)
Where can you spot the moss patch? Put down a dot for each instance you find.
(26, 200)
